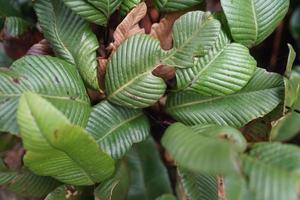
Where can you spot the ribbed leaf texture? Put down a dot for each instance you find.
(260, 96)
(55, 147)
(225, 69)
(288, 126)
(115, 188)
(88, 11)
(175, 5)
(117, 128)
(199, 186)
(148, 176)
(54, 79)
(252, 21)
(193, 35)
(107, 7)
(127, 5)
(27, 184)
(129, 80)
(16, 26)
(272, 171)
(70, 37)
(200, 153)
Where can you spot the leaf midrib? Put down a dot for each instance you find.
(118, 126)
(47, 96)
(255, 20)
(220, 97)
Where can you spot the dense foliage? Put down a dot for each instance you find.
(79, 105)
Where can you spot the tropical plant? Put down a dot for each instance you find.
(81, 103)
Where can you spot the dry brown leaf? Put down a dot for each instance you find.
(41, 48)
(163, 30)
(102, 62)
(165, 72)
(129, 26)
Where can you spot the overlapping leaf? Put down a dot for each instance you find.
(70, 37)
(148, 176)
(54, 79)
(272, 171)
(225, 69)
(127, 5)
(129, 80)
(175, 5)
(16, 26)
(193, 35)
(107, 7)
(260, 96)
(55, 147)
(199, 186)
(252, 21)
(26, 183)
(117, 128)
(199, 153)
(115, 188)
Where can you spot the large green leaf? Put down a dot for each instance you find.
(260, 96)
(272, 171)
(54, 79)
(252, 21)
(148, 176)
(117, 128)
(16, 26)
(70, 37)
(107, 7)
(199, 186)
(88, 11)
(26, 183)
(194, 34)
(225, 69)
(201, 153)
(174, 5)
(55, 147)
(115, 188)
(129, 80)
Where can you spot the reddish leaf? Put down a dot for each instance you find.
(41, 48)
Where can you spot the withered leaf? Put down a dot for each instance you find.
(40, 48)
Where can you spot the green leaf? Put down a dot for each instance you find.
(9, 8)
(199, 186)
(117, 128)
(226, 69)
(129, 80)
(87, 11)
(194, 34)
(107, 7)
(273, 171)
(148, 176)
(200, 153)
(166, 197)
(70, 37)
(54, 79)
(55, 147)
(232, 135)
(252, 21)
(175, 5)
(290, 62)
(295, 26)
(115, 188)
(16, 26)
(292, 98)
(128, 5)
(260, 96)
(66, 192)
(236, 188)
(26, 183)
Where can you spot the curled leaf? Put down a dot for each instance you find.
(40, 48)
